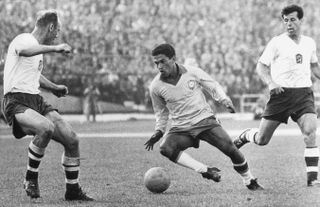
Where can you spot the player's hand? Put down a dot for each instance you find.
(229, 105)
(277, 90)
(63, 48)
(154, 139)
(60, 91)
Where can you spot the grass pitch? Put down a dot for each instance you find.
(112, 171)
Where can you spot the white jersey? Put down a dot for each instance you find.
(22, 74)
(290, 61)
(185, 101)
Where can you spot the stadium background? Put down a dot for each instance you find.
(112, 42)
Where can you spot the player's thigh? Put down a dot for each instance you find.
(177, 141)
(63, 132)
(308, 124)
(217, 137)
(266, 130)
(32, 122)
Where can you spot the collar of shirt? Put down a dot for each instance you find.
(181, 70)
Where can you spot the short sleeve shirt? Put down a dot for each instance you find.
(290, 61)
(22, 74)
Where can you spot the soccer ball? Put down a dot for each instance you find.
(156, 180)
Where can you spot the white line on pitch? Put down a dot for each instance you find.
(232, 133)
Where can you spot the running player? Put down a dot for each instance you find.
(285, 66)
(177, 91)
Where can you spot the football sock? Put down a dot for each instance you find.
(186, 160)
(244, 171)
(35, 154)
(311, 156)
(71, 166)
(250, 135)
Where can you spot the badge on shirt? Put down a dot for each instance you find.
(298, 58)
(191, 84)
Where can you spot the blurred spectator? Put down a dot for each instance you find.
(115, 37)
(91, 95)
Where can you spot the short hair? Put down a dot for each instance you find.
(45, 17)
(164, 49)
(292, 8)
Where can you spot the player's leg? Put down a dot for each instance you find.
(65, 135)
(173, 147)
(308, 127)
(219, 138)
(259, 136)
(33, 123)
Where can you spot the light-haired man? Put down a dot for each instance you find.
(29, 114)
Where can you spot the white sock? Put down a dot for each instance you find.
(186, 160)
(251, 134)
(246, 177)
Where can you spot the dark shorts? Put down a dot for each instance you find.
(14, 103)
(293, 102)
(193, 131)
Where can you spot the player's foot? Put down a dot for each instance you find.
(313, 183)
(241, 139)
(212, 173)
(32, 188)
(76, 194)
(254, 185)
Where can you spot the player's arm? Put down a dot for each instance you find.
(33, 50)
(315, 69)
(162, 117)
(265, 74)
(57, 90)
(215, 89)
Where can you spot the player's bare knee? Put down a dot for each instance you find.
(165, 150)
(46, 129)
(310, 140)
(73, 141)
(170, 152)
(261, 140)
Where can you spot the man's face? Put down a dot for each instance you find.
(292, 23)
(52, 34)
(164, 64)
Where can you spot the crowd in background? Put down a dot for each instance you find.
(112, 40)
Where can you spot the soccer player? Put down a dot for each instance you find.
(177, 91)
(28, 113)
(285, 66)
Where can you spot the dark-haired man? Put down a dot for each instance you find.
(177, 92)
(27, 112)
(286, 66)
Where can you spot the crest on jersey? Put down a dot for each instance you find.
(191, 84)
(298, 58)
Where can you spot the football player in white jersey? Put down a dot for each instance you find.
(286, 66)
(27, 112)
(177, 93)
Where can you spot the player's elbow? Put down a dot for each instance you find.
(24, 53)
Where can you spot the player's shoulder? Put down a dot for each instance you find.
(308, 39)
(24, 38)
(278, 38)
(155, 81)
(189, 69)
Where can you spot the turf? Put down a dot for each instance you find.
(112, 172)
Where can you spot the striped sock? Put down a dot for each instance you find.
(311, 156)
(35, 154)
(244, 171)
(71, 166)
